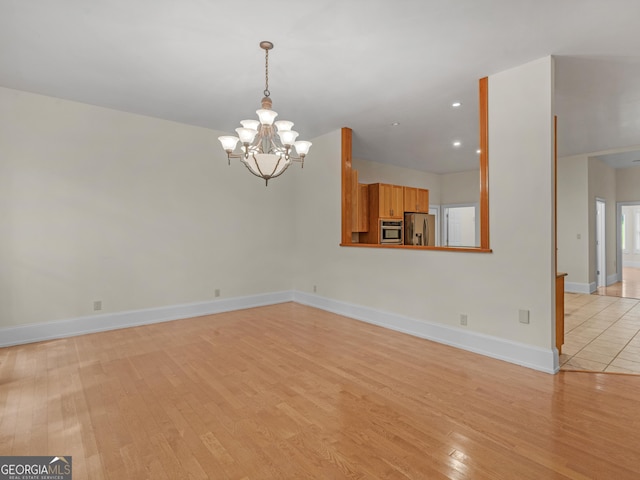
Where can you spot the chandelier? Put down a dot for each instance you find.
(266, 155)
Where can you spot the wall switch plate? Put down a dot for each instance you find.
(523, 316)
(463, 319)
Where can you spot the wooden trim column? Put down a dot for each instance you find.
(484, 161)
(347, 134)
(559, 276)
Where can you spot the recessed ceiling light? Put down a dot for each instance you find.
(456, 104)
(478, 151)
(457, 143)
(395, 124)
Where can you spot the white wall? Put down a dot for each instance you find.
(437, 286)
(460, 188)
(573, 221)
(628, 184)
(450, 188)
(134, 211)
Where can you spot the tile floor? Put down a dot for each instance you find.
(602, 334)
(629, 287)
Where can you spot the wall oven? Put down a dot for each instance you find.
(391, 232)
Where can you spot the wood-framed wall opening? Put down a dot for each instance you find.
(346, 191)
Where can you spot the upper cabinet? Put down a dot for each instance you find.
(387, 200)
(416, 200)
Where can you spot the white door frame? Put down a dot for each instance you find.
(435, 210)
(601, 245)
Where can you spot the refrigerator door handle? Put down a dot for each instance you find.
(425, 231)
(410, 233)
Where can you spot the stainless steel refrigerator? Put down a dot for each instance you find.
(419, 229)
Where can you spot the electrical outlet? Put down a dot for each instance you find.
(523, 316)
(463, 319)
(97, 305)
(315, 288)
(216, 292)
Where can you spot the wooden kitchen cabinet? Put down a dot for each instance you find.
(416, 200)
(387, 200)
(362, 221)
(359, 205)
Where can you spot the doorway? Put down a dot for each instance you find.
(460, 226)
(627, 252)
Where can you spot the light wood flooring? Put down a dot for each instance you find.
(292, 392)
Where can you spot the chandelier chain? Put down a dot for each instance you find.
(266, 73)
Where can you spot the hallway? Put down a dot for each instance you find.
(628, 288)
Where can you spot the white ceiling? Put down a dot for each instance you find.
(356, 63)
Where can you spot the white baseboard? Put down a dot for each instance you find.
(111, 321)
(588, 288)
(545, 360)
(611, 279)
(573, 287)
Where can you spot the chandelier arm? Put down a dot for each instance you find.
(231, 155)
(274, 145)
(257, 165)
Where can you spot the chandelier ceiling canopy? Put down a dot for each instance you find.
(267, 147)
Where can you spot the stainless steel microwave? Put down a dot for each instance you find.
(391, 232)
